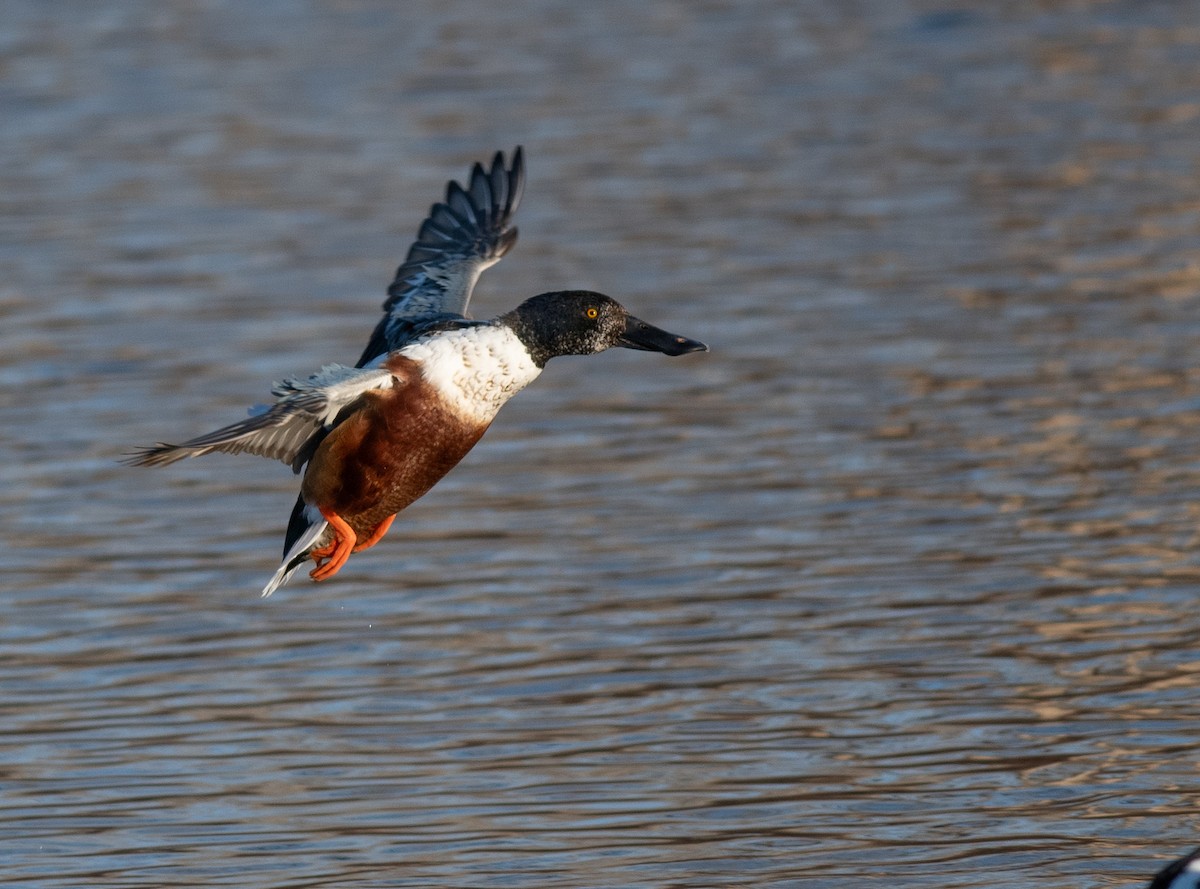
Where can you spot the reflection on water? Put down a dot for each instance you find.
(897, 584)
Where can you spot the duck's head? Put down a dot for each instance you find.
(582, 322)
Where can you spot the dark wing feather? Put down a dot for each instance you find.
(463, 235)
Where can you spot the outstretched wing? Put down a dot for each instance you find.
(303, 413)
(463, 235)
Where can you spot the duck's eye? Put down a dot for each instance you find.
(592, 312)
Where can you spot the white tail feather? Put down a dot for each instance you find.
(295, 556)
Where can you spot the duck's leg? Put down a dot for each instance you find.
(337, 552)
(376, 535)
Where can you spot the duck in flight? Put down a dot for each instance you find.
(373, 438)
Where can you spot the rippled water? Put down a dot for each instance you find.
(896, 586)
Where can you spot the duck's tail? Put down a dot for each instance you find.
(305, 530)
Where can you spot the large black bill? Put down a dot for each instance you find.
(640, 335)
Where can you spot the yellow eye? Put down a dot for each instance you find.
(592, 312)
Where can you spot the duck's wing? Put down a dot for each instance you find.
(303, 413)
(463, 235)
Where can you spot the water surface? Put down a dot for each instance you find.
(896, 586)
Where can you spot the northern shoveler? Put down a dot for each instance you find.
(1181, 874)
(377, 436)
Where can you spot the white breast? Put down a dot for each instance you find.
(476, 369)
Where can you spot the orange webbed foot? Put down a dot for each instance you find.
(376, 535)
(323, 552)
(337, 552)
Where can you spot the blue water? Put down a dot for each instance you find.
(895, 586)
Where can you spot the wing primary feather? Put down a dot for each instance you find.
(516, 182)
(447, 218)
(460, 204)
(482, 197)
(498, 180)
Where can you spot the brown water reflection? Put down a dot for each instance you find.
(895, 586)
